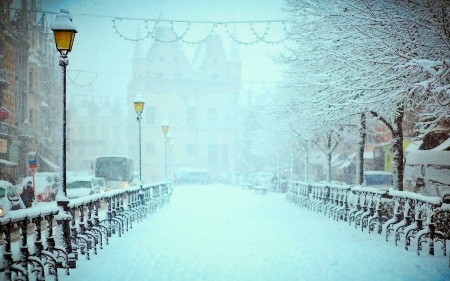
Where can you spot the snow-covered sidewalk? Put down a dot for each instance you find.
(220, 232)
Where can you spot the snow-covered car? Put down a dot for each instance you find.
(250, 182)
(9, 198)
(100, 184)
(194, 176)
(80, 186)
(262, 182)
(427, 172)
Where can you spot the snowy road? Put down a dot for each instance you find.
(225, 233)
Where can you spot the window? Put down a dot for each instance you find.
(3, 146)
(150, 148)
(30, 80)
(225, 153)
(212, 153)
(150, 115)
(30, 116)
(191, 116)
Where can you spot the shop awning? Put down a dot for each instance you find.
(50, 163)
(7, 163)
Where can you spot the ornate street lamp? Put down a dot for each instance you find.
(139, 107)
(64, 31)
(165, 127)
(168, 140)
(165, 130)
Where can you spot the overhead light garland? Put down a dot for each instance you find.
(176, 37)
(258, 38)
(72, 81)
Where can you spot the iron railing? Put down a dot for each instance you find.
(90, 229)
(408, 217)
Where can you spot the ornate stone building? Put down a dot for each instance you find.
(29, 90)
(199, 99)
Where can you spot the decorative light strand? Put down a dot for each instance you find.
(214, 25)
(72, 81)
(151, 34)
(5, 24)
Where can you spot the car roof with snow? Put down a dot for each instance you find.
(5, 184)
(79, 178)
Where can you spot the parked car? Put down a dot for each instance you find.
(80, 186)
(249, 182)
(45, 184)
(427, 172)
(379, 179)
(223, 178)
(9, 198)
(193, 176)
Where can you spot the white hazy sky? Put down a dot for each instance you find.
(98, 48)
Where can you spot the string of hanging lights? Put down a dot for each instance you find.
(72, 81)
(176, 37)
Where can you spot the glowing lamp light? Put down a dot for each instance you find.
(165, 127)
(139, 103)
(64, 31)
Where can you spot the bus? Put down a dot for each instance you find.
(117, 170)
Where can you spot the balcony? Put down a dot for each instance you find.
(4, 77)
(7, 130)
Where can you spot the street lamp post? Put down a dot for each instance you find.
(139, 107)
(168, 140)
(170, 160)
(165, 130)
(64, 31)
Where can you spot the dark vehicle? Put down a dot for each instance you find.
(194, 176)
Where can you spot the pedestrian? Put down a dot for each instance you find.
(28, 194)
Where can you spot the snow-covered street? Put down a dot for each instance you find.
(219, 232)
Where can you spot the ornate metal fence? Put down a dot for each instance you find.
(410, 218)
(34, 243)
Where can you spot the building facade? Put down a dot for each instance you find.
(30, 88)
(199, 99)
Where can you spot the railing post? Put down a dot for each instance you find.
(63, 219)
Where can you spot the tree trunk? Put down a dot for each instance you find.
(398, 150)
(362, 143)
(329, 167)
(306, 167)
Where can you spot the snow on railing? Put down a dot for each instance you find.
(35, 237)
(406, 215)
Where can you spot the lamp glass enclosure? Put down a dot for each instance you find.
(64, 40)
(139, 107)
